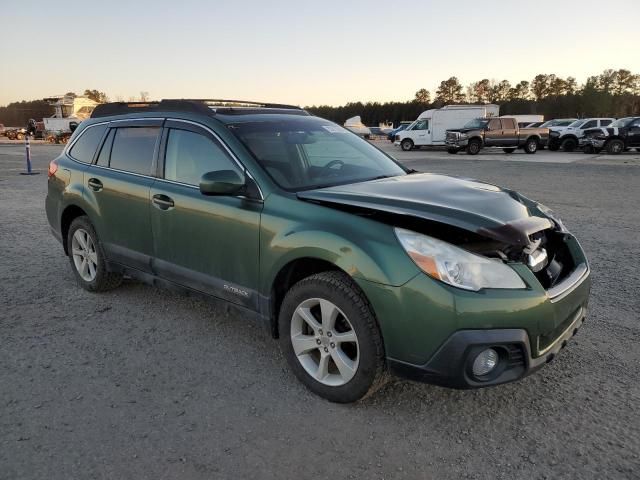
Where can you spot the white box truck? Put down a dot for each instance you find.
(430, 128)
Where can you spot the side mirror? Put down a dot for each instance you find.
(221, 182)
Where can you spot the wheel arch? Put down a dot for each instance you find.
(290, 274)
(570, 136)
(69, 214)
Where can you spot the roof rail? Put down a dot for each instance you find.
(204, 106)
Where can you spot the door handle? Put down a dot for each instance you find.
(162, 201)
(95, 184)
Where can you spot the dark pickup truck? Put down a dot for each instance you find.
(495, 133)
(615, 138)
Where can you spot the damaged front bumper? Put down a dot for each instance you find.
(457, 143)
(592, 142)
(434, 332)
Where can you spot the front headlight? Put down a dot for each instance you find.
(455, 266)
(463, 136)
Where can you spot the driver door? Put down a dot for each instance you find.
(493, 134)
(421, 132)
(633, 134)
(206, 243)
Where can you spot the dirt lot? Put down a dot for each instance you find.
(142, 383)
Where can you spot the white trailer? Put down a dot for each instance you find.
(524, 120)
(430, 128)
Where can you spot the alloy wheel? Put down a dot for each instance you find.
(85, 256)
(325, 342)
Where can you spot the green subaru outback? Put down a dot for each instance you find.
(356, 264)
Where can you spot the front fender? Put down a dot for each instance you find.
(292, 229)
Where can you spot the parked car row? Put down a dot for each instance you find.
(483, 128)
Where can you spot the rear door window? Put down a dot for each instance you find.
(134, 148)
(604, 123)
(508, 124)
(85, 147)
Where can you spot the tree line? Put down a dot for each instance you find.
(613, 93)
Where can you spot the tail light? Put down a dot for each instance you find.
(53, 168)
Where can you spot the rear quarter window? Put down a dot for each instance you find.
(85, 147)
(134, 148)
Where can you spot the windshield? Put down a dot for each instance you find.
(477, 123)
(621, 122)
(301, 153)
(576, 124)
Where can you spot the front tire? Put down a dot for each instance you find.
(452, 151)
(615, 147)
(406, 145)
(473, 147)
(569, 145)
(330, 338)
(87, 258)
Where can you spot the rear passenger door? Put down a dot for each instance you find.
(207, 243)
(118, 186)
(509, 132)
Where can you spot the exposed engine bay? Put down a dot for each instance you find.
(546, 253)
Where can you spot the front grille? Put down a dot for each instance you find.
(559, 262)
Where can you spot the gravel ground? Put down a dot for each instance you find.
(143, 383)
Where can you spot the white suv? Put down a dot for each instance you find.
(568, 137)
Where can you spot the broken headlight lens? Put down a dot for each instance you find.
(455, 266)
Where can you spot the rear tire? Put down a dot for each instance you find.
(87, 258)
(569, 144)
(473, 147)
(615, 147)
(406, 145)
(531, 146)
(340, 371)
(589, 149)
(509, 150)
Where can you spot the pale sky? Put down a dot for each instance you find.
(304, 52)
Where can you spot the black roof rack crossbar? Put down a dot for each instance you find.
(204, 106)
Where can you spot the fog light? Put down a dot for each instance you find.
(485, 362)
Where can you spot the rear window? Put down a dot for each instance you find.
(133, 149)
(85, 147)
(508, 123)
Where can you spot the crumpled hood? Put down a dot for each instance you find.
(491, 211)
(462, 130)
